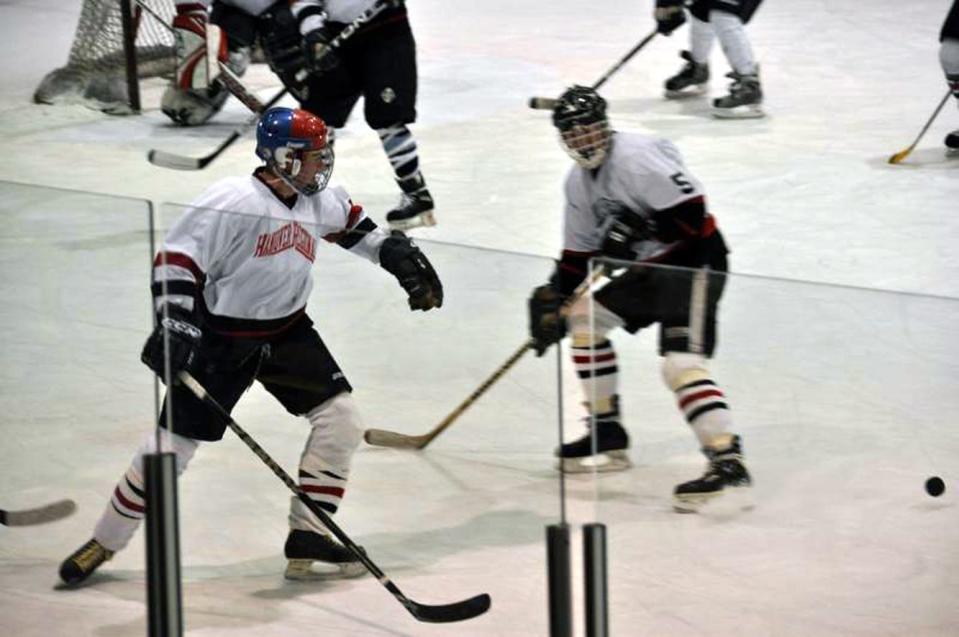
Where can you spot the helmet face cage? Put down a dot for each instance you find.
(580, 117)
(287, 138)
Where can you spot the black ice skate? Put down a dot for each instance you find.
(725, 472)
(612, 441)
(317, 556)
(952, 143)
(84, 561)
(744, 100)
(690, 81)
(415, 208)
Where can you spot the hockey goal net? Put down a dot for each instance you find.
(96, 73)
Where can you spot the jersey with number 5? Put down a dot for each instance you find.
(641, 173)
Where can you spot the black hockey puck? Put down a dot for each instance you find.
(935, 486)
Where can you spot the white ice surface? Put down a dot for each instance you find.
(846, 398)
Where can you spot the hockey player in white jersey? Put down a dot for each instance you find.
(230, 287)
(726, 21)
(630, 197)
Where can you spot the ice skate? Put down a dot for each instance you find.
(744, 100)
(690, 81)
(952, 143)
(724, 473)
(83, 562)
(317, 556)
(612, 441)
(415, 208)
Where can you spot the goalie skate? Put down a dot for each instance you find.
(726, 476)
(316, 556)
(612, 441)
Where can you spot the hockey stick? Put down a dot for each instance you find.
(236, 87)
(549, 103)
(444, 613)
(898, 157)
(40, 515)
(184, 162)
(384, 438)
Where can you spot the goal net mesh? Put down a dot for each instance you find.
(95, 73)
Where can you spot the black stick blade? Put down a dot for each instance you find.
(40, 515)
(455, 612)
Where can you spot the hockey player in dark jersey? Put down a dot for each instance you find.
(377, 63)
(724, 20)
(949, 59)
(230, 287)
(631, 198)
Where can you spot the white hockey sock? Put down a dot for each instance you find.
(127, 505)
(732, 38)
(598, 372)
(701, 37)
(325, 462)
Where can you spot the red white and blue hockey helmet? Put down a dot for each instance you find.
(285, 137)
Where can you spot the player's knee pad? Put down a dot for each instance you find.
(682, 368)
(589, 322)
(337, 430)
(181, 446)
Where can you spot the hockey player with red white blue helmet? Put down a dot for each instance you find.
(630, 197)
(230, 287)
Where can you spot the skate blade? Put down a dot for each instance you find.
(313, 570)
(730, 499)
(604, 462)
(747, 111)
(696, 90)
(424, 219)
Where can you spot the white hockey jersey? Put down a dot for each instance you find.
(249, 255)
(641, 173)
(335, 10)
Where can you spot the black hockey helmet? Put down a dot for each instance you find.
(578, 105)
(580, 117)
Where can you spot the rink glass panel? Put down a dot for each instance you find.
(76, 311)
(846, 402)
(484, 486)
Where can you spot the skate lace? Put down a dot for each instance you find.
(90, 554)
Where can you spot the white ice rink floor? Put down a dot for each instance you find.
(846, 396)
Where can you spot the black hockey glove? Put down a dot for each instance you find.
(546, 324)
(669, 16)
(284, 49)
(321, 56)
(626, 229)
(177, 330)
(412, 269)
